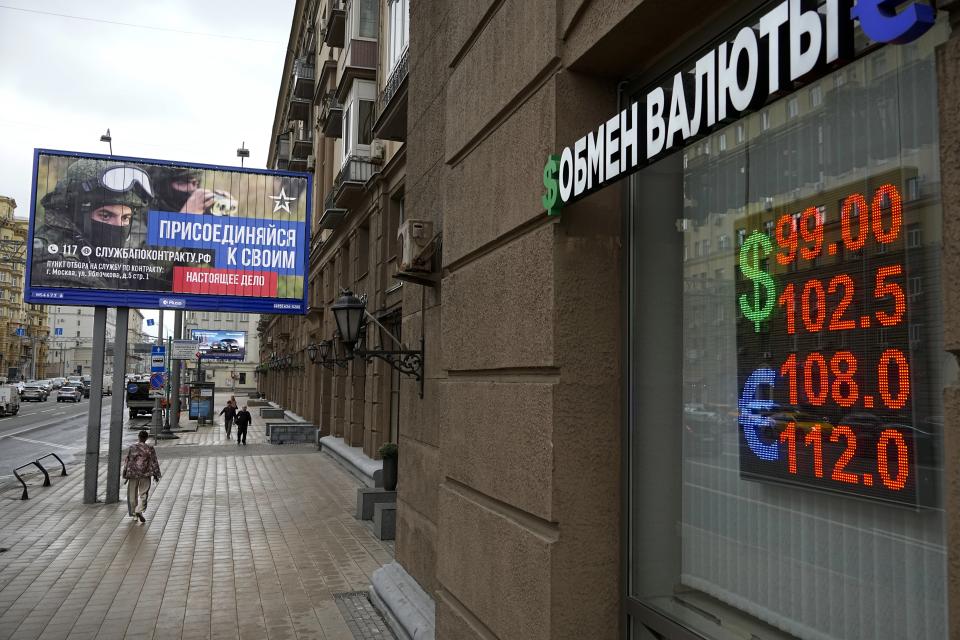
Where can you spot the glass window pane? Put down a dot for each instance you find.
(786, 432)
(365, 122)
(367, 19)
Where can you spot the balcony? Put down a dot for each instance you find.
(282, 157)
(348, 185)
(391, 121)
(334, 28)
(328, 69)
(302, 141)
(298, 109)
(331, 117)
(332, 215)
(302, 79)
(359, 62)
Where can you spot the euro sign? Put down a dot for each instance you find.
(551, 199)
(756, 248)
(881, 22)
(752, 417)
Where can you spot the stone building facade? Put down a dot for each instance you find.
(20, 355)
(583, 462)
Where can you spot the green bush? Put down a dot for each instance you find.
(388, 450)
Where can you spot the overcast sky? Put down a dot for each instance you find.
(162, 92)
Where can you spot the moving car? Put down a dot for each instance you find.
(138, 398)
(9, 400)
(68, 392)
(34, 393)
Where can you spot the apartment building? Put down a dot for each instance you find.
(341, 114)
(724, 371)
(23, 327)
(231, 375)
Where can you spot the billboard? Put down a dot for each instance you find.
(134, 232)
(215, 344)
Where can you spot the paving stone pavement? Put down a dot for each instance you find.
(244, 542)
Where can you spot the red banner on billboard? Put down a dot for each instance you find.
(224, 282)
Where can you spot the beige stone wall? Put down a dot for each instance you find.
(509, 490)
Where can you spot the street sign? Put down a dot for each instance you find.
(21, 331)
(156, 380)
(58, 331)
(183, 349)
(157, 360)
(149, 322)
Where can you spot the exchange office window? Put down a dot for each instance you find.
(785, 455)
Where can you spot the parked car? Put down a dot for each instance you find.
(34, 393)
(71, 393)
(9, 400)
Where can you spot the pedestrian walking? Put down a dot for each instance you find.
(229, 413)
(243, 420)
(139, 467)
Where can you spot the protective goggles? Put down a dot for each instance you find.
(122, 179)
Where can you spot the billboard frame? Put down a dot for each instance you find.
(157, 299)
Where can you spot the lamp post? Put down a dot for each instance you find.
(350, 313)
(243, 152)
(108, 139)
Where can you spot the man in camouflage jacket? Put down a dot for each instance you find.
(139, 467)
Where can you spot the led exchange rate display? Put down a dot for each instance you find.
(832, 361)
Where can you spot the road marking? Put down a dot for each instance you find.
(48, 444)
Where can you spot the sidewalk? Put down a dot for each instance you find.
(240, 542)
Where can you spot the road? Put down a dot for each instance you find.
(51, 427)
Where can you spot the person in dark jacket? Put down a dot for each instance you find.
(229, 412)
(243, 420)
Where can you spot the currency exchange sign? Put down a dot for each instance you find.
(833, 376)
(143, 233)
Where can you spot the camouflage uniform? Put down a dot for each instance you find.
(66, 221)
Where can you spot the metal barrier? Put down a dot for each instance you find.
(63, 467)
(46, 476)
(24, 495)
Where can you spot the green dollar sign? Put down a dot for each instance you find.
(757, 247)
(551, 199)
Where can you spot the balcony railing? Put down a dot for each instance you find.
(391, 121)
(303, 78)
(332, 215)
(334, 27)
(349, 182)
(331, 116)
(356, 169)
(396, 78)
(302, 141)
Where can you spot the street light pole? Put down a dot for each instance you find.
(108, 139)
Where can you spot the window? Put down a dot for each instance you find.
(358, 116)
(243, 377)
(793, 107)
(816, 96)
(913, 235)
(722, 142)
(399, 29)
(728, 524)
(362, 19)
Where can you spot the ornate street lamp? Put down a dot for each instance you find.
(351, 315)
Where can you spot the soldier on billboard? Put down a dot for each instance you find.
(94, 204)
(178, 191)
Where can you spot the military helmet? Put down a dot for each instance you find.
(88, 184)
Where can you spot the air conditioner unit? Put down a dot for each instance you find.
(377, 150)
(414, 237)
(311, 163)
